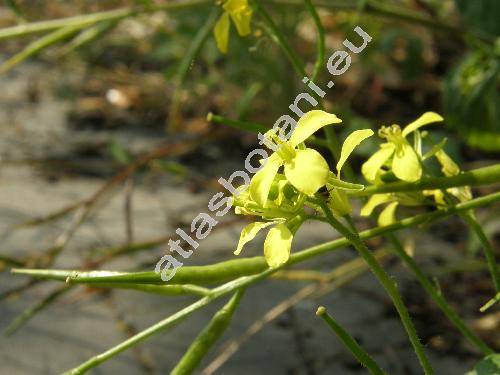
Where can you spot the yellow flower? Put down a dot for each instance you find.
(277, 245)
(338, 200)
(304, 168)
(241, 14)
(405, 161)
(388, 215)
(450, 168)
(283, 209)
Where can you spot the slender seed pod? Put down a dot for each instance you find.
(207, 338)
(357, 351)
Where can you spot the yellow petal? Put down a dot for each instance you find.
(388, 215)
(448, 166)
(248, 234)
(373, 202)
(425, 119)
(371, 167)
(281, 192)
(221, 32)
(263, 179)
(437, 194)
(406, 165)
(277, 245)
(351, 142)
(311, 122)
(307, 171)
(241, 14)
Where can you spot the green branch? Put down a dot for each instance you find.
(388, 284)
(438, 298)
(481, 176)
(93, 18)
(170, 321)
(489, 254)
(231, 269)
(207, 338)
(279, 38)
(357, 351)
(320, 56)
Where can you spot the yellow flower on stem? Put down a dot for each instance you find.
(338, 201)
(278, 243)
(241, 13)
(405, 162)
(304, 168)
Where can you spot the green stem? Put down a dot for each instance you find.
(384, 279)
(320, 54)
(331, 138)
(279, 38)
(238, 124)
(30, 312)
(187, 60)
(489, 254)
(223, 271)
(93, 18)
(170, 321)
(393, 13)
(207, 338)
(437, 297)
(357, 351)
(38, 45)
(170, 290)
(480, 176)
(490, 303)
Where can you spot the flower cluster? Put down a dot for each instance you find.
(288, 179)
(398, 158)
(291, 179)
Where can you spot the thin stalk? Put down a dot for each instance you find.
(38, 45)
(480, 176)
(86, 20)
(336, 278)
(438, 298)
(208, 337)
(280, 39)
(187, 60)
(170, 290)
(331, 138)
(29, 313)
(320, 40)
(384, 279)
(168, 322)
(87, 36)
(238, 124)
(357, 351)
(223, 271)
(490, 303)
(393, 13)
(489, 254)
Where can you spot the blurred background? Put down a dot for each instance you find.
(105, 149)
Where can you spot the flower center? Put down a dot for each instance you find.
(283, 149)
(392, 134)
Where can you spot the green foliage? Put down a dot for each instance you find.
(482, 15)
(471, 99)
(489, 365)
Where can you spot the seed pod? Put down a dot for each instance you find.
(207, 338)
